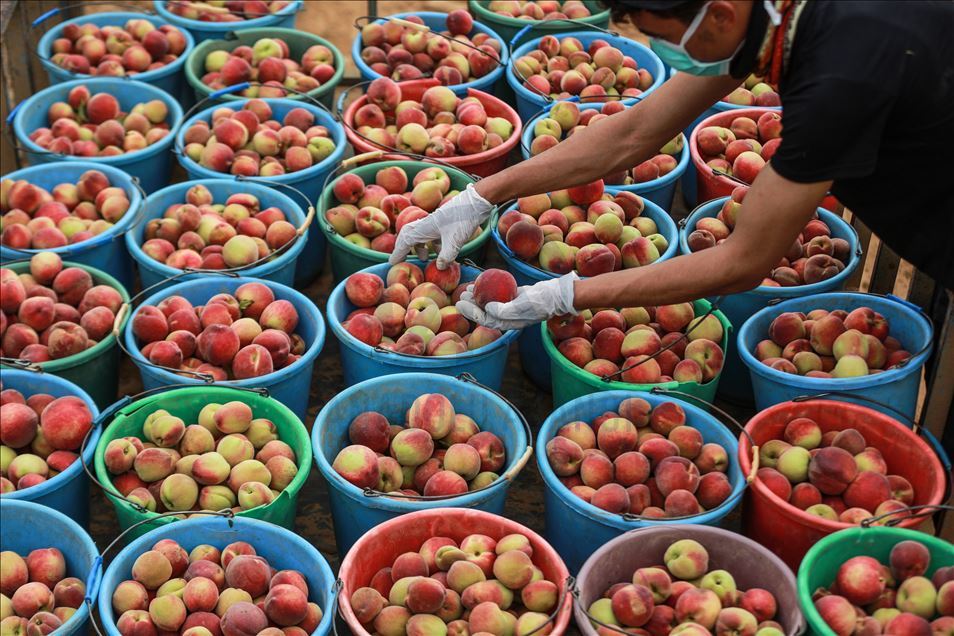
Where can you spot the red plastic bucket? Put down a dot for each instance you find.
(788, 531)
(381, 545)
(713, 186)
(482, 164)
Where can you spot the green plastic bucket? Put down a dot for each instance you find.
(570, 381)
(508, 26)
(821, 563)
(348, 258)
(129, 414)
(298, 42)
(96, 370)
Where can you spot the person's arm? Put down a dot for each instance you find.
(616, 143)
(773, 213)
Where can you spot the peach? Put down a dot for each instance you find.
(632, 605)
(860, 580)
(243, 618)
(612, 498)
(867, 490)
(412, 446)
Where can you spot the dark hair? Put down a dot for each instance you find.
(682, 10)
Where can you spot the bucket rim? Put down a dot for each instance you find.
(697, 162)
(134, 242)
(567, 413)
(160, 5)
(201, 49)
(302, 304)
(814, 385)
(486, 14)
(102, 19)
(433, 380)
(101, 84)
(724, 106)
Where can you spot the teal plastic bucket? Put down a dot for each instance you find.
(354, 511)
(897, 387)
(202, 30)
(29, 526)
(68, 492)
(736, 384)
(529, 102)
(151, 165)
(308, 181)
(168, 78)
(661, 191)
(279, 270)
(290, 385)
(105, 251)
(95, 370)
(437, 22)
(576, 528)
(532, 354)
(509, 26)
(361, 362)
(283, 549)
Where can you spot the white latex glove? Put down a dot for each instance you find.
(533, 304)
(451, 224)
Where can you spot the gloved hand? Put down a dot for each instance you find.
(533, 304)
(452, 224)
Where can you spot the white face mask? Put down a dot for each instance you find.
(676, 55)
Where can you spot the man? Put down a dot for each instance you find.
(868, 98)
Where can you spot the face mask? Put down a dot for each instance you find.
(676, 56)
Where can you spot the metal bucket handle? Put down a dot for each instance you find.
(423, 27)
(924, 510)
(21, 363)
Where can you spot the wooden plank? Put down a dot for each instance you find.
(885, 271)
(864, 237)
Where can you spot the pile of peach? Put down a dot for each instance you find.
(870, 597)
(583, 229)
(742, 149)
(228, 459)
(754, 92)
(685, 596)
(452, 57)
(651, 462)
(563, 67)
(813, 257)
(40, 436)
(539, 9)
(229, 11)
(212, 591)
(650, 344)
(834, 475)
(247, 334)
(268, 62)
(53, 312)
(249, 142)
(36, 596)
(88, 125)
(440, 125)
(567, 118)
(200, 233)
(412, 311)
(371, 215)
(111, 50)
(35, 218)
(480, 586)
(831, 344)
(437, 452)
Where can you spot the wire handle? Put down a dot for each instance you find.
(536, 23)
(21, 363)
(426, 29)
(870, 521)
(335, 608)
(568, 589)
(52, 12)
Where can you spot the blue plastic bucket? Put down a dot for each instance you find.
(290, 385)
(532, 354)
(353, 511)
(362, 362)
(897, 387)
(438, 22)
(738, 308)
(660, 191)
(308, 181)
(68, 492)
(151, 165)
(202, 30)
(169, 78)
(530, 102)
(104, 251)
(28, 526)
(576, 528)
(279, 270)
(283, 549)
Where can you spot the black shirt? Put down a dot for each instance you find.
(868, 101)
